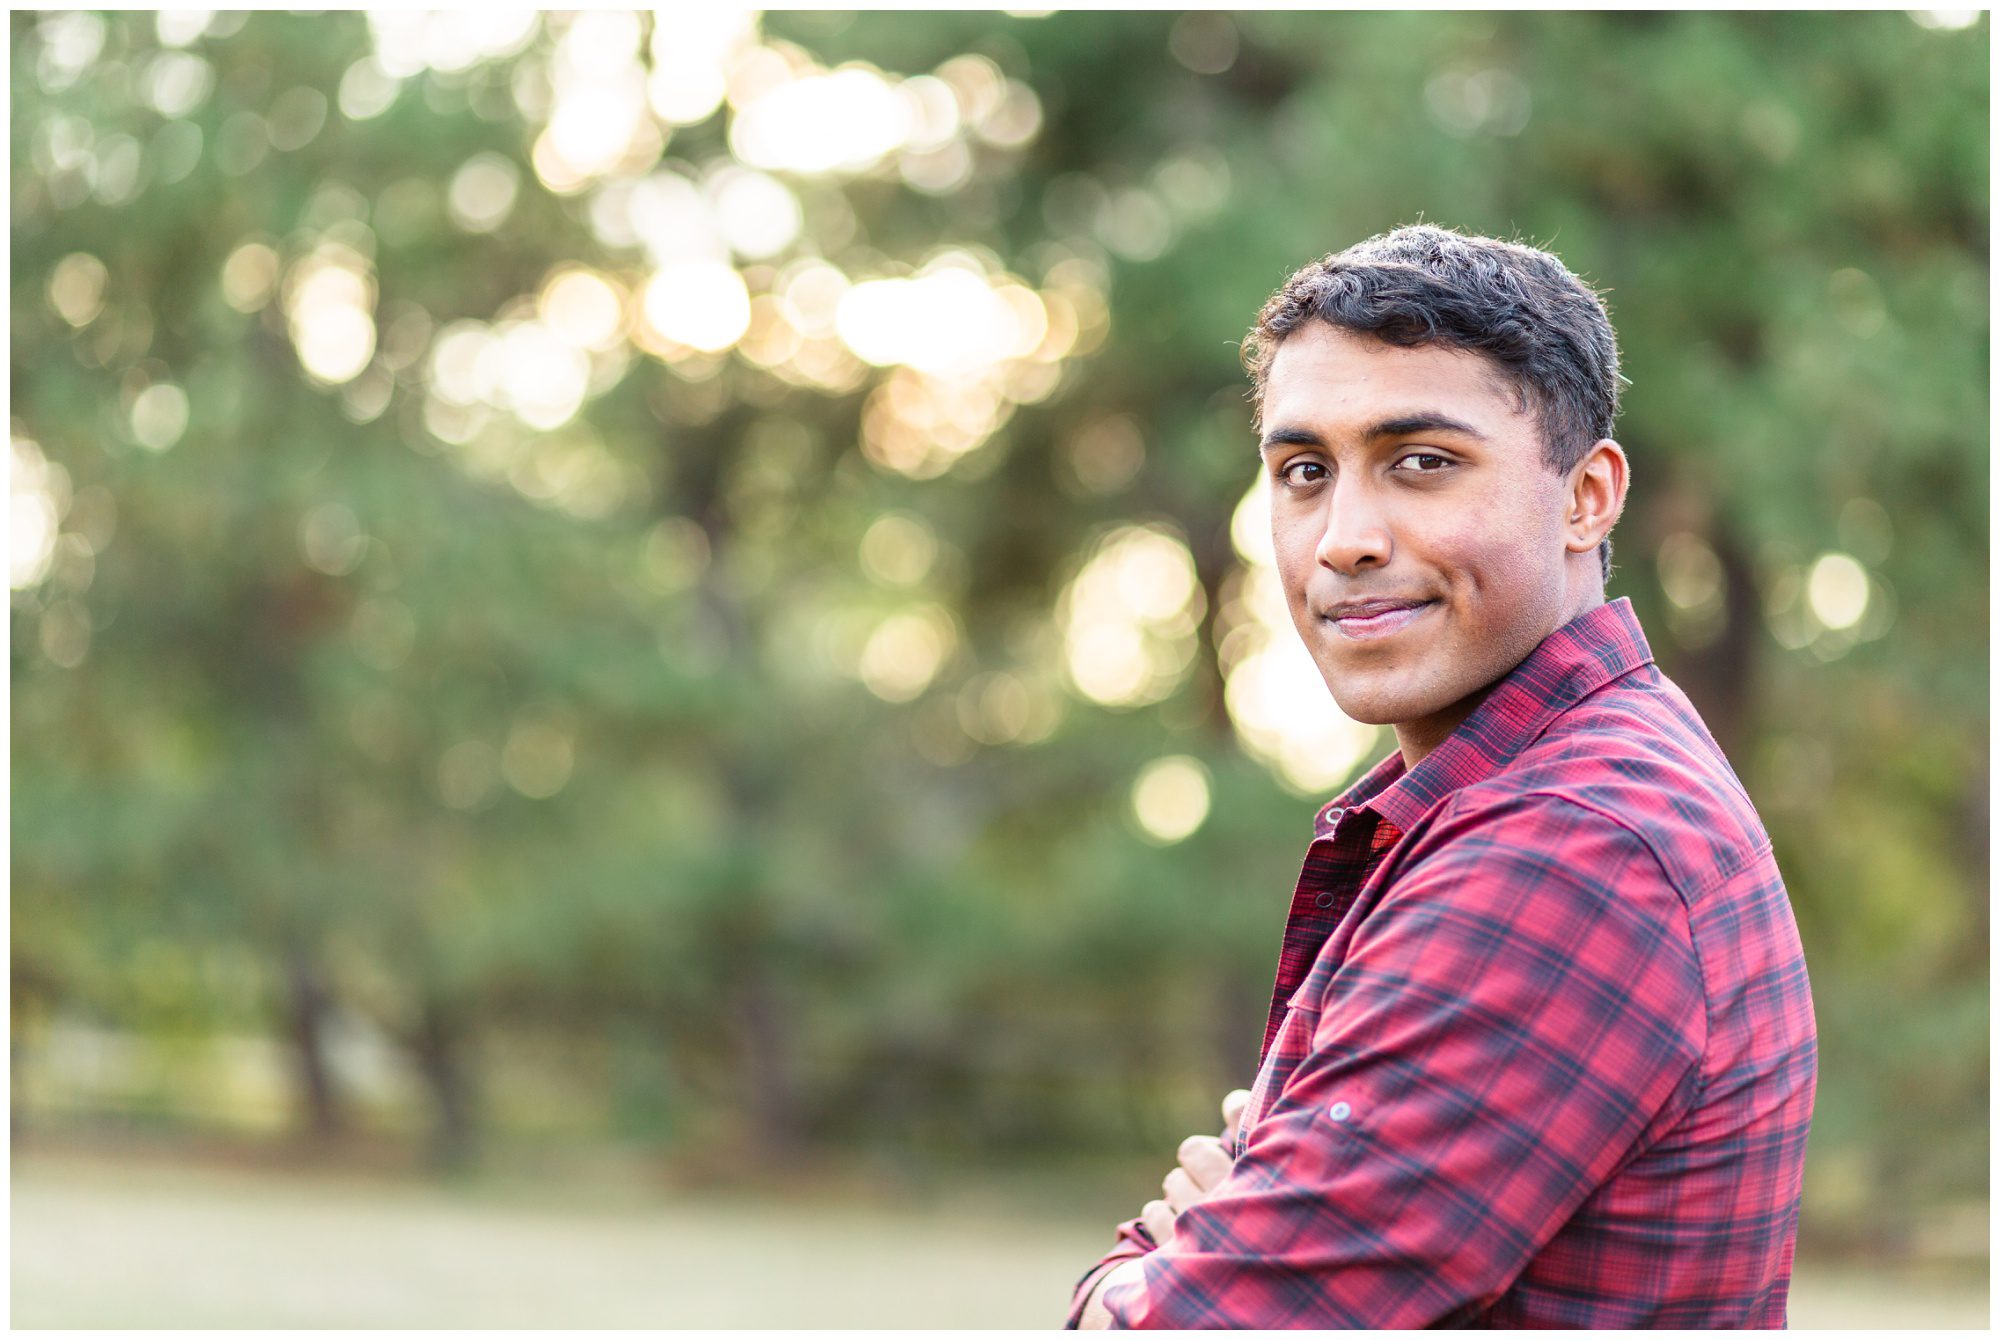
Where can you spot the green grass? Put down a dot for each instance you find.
(104, 1241)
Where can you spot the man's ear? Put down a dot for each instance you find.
(1596, 496)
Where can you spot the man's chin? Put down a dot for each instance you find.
(1384, 704)
(1378, 694)
(1370, 711)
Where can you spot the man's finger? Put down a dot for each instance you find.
(1206, 1161)
(1180, 1191)
(1158, 1217)
(1233, 1104)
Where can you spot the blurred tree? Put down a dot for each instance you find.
(727, 530)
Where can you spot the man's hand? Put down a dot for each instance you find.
(1233, 1104)
(1204, 1163)
(1095, 1316)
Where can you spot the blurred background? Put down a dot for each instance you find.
(643, 658)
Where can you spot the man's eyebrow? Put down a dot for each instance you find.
(1423, 421)
(1403, 425)
(1289, 437)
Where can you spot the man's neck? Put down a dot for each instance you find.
(1418, 738)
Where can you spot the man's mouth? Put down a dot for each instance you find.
(1366, 619)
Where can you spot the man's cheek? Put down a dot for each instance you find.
(1490, 564)
(1294, 548)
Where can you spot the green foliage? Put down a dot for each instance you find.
(478, 726)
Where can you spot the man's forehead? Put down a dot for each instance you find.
(1320, 358)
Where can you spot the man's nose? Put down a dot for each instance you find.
(1356, 534)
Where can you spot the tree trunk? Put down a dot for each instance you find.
(19, 1058)
(772, 1092)
(1734, 681)
(1720, 679)
(1971, 847)
(439, 1046)
(308, 1005)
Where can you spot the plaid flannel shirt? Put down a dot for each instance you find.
(1541, 1051)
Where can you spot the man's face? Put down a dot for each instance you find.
(1419, 536)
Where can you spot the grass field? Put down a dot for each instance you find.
(117, 1242)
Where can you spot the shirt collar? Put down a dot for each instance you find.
(1577, 659)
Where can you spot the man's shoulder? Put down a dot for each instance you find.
(1634, 758)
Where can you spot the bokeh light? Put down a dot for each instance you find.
(674, 554)
(331, 539)
(1690, 573)
(665, 212)
(845, 120)
(756, 214)
(76, 288)
(37, 494)
(950, 320)
(898, 549)
(330, 302)
(693, 48)
(542, 377)
(408, 42)
(1170, 798)
(159, 416)
(175, 83)
(906, 651)
(1129, 617)
(700, 304)
(583, 307)
(966, 343)
(1946, 19)
(1837, 590)
(1283, 713)
(1691, 577)
(1204, 41)
(482, 192)
(999, 707)
(539, 756)
(250, 277)
(366, 90)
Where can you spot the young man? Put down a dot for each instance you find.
(1541, 1052)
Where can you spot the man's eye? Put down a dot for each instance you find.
(1425, 462)
(1295, 472)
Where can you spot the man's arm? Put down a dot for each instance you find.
(1204, 1164)
(1095, 1316)
(1515, 1019)
(1086, 1313)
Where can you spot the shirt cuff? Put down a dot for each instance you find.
(1134, 1242)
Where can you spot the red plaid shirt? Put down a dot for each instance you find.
(1541, 1052)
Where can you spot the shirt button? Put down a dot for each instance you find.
(1324, 900)
(1340, 1111)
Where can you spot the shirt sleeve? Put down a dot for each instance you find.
(1514, 1020)
(1133, 1240)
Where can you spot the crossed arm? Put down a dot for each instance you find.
(1500, 1036)
(1204, 1165)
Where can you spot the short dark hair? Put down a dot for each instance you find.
(1521, 307)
